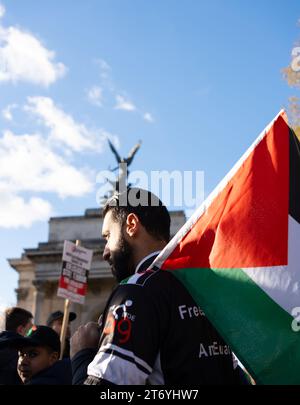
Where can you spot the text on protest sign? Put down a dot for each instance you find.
(75, 267)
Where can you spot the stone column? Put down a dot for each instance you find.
(38, 298)
(22, 294)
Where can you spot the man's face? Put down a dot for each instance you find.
(117, 251)
(33, 359)
(57, 326)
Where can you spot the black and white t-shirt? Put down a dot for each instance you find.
(154, 333)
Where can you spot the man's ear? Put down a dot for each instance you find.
(54, 357)
(132, 224)
(20, 330)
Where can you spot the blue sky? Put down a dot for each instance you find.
(196, 81)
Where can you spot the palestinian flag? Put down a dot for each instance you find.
(239, 256)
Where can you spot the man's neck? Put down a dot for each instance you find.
(145, 250)
(146, 262)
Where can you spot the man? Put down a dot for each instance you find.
(153, 331)
(55, 321)
(38, 362)
(18, 321)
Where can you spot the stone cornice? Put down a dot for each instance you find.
(21, 264)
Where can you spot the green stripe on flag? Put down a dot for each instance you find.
(257, 329)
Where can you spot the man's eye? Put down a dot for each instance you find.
(32, 355)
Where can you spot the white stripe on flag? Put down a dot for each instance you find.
(282, 283)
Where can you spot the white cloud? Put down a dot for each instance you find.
(27, 163)
(148, 117)
(95, 96)
(63, 128)
(7, 112)
(2, 10)
(123, 104)
(103, 64)
(105, 69)
(34, 163)
(121, 101)
(24, 58)
(16, 212)
(107, 81)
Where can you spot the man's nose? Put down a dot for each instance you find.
(24, 360)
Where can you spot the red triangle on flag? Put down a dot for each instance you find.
(246, 224)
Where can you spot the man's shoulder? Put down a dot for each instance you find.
(146, 279)
(8, 355)
(142, 287)
(8, 335)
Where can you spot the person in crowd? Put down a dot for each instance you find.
(18, 321)
(153, 332)
(55, 321)
(38, 362)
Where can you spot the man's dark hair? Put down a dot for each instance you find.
(151, 212)
(15, 317)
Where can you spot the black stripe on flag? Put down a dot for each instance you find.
(294, 209)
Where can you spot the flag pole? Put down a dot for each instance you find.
(65, 323)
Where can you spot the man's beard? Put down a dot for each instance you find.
(121, 261)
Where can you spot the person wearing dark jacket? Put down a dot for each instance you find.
(8, 361)
(58, 374)
(80, 364)
(17, 322)
(153, 332)
(38, 362)
(55, 321)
